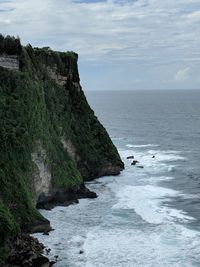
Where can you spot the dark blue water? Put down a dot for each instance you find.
(146, 217)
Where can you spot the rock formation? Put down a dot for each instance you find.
(50, 139)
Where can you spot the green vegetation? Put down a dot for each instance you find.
(8, 227)
(10, 45)
(34, 108)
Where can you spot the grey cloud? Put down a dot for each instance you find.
(143, 33)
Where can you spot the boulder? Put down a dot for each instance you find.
(134, 162)
(140, 166)
(40, 261)
(130, 157)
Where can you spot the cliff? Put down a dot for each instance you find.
(50, 139)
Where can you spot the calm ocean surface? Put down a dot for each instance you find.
(144, 217)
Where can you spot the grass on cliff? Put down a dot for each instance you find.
(33, 108)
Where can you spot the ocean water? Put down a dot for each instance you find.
(146, 216)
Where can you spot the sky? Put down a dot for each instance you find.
(122, 44)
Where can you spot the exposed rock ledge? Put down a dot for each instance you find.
(56, 77)
(42, 174)
(64, 197)
(47, 197)
(9, 62)
(106, 171)
(110, 170)
(26, 251)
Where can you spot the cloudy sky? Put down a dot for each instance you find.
(122, 44)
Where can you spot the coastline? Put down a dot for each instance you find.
(26, 250)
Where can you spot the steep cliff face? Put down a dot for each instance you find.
(9, 62)
(50, 139)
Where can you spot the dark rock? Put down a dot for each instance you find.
(81, 252)
(140, 166)
(92, 173)
(130, 157)
(134, 162)
(153, 157)
(41, 261)
(59, 197)
(64, 197)
(40, 226)
(26, 251)
(46, 233)
(56, 257)
(42, 199)
(84, 192)
(47, 251)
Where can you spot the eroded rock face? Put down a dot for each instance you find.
(55, 76)
(45, 196)
(42, 175)
(68, 145)
(9, 62)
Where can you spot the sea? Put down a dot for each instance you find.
(149, 215)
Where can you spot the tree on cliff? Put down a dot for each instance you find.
(10, 45)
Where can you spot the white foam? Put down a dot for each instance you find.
(160, 155)
(171, 168)
(166, 155)
(147, 201)
(168, 245)
(141, 146)
(151, 165)
(156, 179)
(129, 224)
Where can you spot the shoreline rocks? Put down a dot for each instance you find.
(130, 157)
(64, 197)
(134, 162)
(92, 173)
(27, 251)
(39, 226)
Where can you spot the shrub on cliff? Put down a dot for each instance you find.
(10, 45)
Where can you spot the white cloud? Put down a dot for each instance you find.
(4, 21)
(144, 33)
(194, 15)
(141, 26)
(182, 74)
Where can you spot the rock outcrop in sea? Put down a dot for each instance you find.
(50, 142)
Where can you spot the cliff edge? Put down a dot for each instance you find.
(50, 139)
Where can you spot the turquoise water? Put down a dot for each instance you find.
(144, 217)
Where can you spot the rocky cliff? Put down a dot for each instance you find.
(9, 62)
(50, 139)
